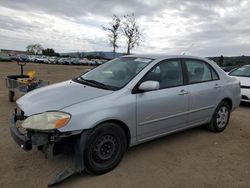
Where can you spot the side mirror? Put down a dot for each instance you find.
(149, 86)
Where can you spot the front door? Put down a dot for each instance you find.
(163, 110)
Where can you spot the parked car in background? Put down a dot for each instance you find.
(65, 61)
(21, 58)
(53, 60)
(31, 58)
(4, 57)
(96, 62)
(83, 61)
(243, 75)
(103, 61)
(75, 61)
(228, 69)
(68, 61)
(90, 62)
(60, 61)
(42, 59)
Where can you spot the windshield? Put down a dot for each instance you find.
(242, 71)
(115, 74)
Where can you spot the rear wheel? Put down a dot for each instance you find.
(105, 148)
(220, 118)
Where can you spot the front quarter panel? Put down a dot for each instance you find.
(120, 105)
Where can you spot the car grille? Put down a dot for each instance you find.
(244, 97)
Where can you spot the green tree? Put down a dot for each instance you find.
(49, 52)
(34, 49)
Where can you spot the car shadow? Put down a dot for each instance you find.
(138, 150)
(245, 104)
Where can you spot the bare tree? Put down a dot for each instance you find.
(34, 49)
(113, 32)
(131, 31)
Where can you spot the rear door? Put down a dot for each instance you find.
(203, 88)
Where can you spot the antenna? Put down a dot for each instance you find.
(187, 49)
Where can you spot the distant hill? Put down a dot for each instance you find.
(91, 55)
(232, 61)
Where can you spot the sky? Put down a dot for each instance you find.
(196, 27)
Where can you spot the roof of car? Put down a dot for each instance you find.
(162, 56)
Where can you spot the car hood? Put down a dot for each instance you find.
(58, 96)
(245, 81)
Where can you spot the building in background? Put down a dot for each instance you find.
(12, 52)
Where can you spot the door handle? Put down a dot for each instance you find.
(183, 92)
(217, 86)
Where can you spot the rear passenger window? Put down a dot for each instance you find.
(199, 71)
(214, 75)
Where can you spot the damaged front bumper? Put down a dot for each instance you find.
(23, 140)
(44, 140)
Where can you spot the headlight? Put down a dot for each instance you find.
(46, 121)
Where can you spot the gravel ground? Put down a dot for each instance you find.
(193, 158)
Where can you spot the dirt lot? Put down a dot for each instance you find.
(194, 158)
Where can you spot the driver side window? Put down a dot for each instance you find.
(168, 74)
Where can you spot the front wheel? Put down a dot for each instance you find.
(220, 118)
(105, 148)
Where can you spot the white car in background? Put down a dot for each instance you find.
(243, 74)
(52, 60)
(42, 59)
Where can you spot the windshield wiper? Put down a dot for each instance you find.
(95, 83)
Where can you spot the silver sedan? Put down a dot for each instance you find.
(125, 102)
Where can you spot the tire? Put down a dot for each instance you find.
(220, 117)
(105, 148)
(11, 96)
